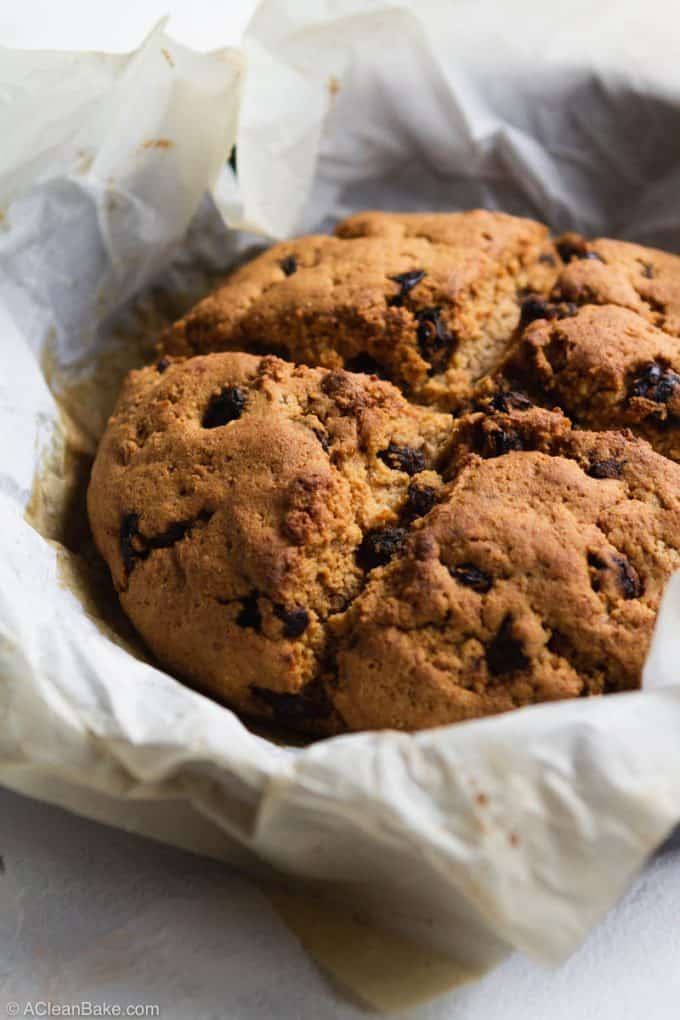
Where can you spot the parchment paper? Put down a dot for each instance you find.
(517, 831)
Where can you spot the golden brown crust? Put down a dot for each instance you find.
(608, 367)
(428, 301)
(607, 272)
(538, 578)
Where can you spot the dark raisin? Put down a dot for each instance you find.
(647, 270)
(420, 499)
(224, 407)
(323, 438)
(434, 340)
(647, 380)
(130, 540)
(502, 441)
(536, 308)
(533, 308)
(295, 621)
(289, 265)
(571, 246)
(472, 577)
(249, 614)
(292, 707)
(605, 468)
(505, 654)
(500, 402)
(407, 281)
(367, 365)
(506, 400)
(493, 442)
(629, 579)
(380, 546)
(596, 564)
(654, 383)
(666, 386)
(162, 365)
(403, 458)
(546, 259)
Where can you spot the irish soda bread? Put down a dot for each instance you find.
(310, 547)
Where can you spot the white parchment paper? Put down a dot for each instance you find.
(517, 831)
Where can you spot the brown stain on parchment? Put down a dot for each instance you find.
(158, 143)
(382, 969)
(85, 161)
(87, 399)
(57, 511)
(57, 508)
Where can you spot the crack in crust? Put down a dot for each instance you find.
(429, 302)
(135, 546)
(533, 531)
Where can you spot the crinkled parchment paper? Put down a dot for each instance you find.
(117, 209)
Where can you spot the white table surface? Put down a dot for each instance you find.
(81, 905)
